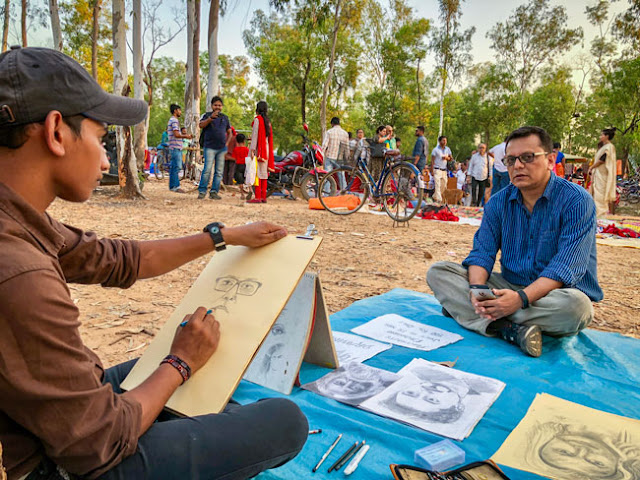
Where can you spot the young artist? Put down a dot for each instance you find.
(60, 412)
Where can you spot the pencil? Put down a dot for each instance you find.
(355, 452)
(342, 457)
(326, 454)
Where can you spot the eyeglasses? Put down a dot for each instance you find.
(245, 287)
(510, 160)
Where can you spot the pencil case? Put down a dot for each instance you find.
(486, 470)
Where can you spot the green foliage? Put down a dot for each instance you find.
(550, 106)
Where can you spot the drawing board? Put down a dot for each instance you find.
(302, 321)
(563, 440)
(247, 288)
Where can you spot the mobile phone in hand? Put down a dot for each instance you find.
(481, 292)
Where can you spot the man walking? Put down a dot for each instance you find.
(216, 130)
(175, 137)
(545, 229)
(336, 147)
(481, 172)
(439, 158)
(420, 149)
(500, 173)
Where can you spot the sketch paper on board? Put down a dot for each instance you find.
(247, 288)
(563, 440)
(401, 331)
(277, 363)
(352, 383)
(353, 348)
(438, 399)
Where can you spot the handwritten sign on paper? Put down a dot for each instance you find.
(352, 348)
(401, 331)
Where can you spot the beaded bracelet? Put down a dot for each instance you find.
(180, 365)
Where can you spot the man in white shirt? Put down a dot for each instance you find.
(481, 171)
(439, 158)
(461, 175)
(500, 174)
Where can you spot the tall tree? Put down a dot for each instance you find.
(23, 22)
(451, 48)
(127, 168)
(531, 37)
(97, 5)
(603, 47)
(55, 24)
(627, 27)
(140, 130)
(216, 9)
(332, 59)
(5, 24)
(192, 81)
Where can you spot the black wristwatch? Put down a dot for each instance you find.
(215, 230)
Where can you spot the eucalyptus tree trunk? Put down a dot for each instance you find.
(55, 24)
(213, 84)
(5, 26)
(95, 29)
(192, 84)
(332, 61)
(140, 130)
(23, 22)
(127, 168)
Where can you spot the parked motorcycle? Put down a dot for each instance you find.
(300, 170)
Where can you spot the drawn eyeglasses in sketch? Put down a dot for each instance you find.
(229, 287)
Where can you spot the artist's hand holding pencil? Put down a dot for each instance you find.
(253, 234)
(196, 339)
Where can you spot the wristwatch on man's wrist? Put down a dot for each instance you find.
(215, 230)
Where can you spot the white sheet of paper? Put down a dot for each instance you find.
(401, 331)
(437, 399)
(353, 348)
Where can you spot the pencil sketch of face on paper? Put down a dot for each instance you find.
(437, 399)
(352, 383)
(229, 289)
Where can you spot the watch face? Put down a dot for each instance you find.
(215, 229)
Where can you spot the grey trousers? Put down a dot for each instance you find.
(564, 311)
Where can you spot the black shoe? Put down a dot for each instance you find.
(201, 196)
(446, 313)
(215, 196)
(527, 337)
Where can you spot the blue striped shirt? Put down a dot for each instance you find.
(557, 240)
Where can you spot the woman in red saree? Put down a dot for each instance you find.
(262, 148)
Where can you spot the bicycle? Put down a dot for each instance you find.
(399, 189)
(162, 163)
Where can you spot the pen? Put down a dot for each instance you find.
(342, 457)
(326, 454)
(348, 457)
(356, 460)
(317, 430)
(187, 321)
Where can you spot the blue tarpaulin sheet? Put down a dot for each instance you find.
(597, 369)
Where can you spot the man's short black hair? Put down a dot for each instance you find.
(609, 132)
(527, 131)
(398, 139)
(15, 136)
(174, 107)
(421, 128)
(557, 145)
(441, 137)
(216, 99)
(335, 121)
(240, 138)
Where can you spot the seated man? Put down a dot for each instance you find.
(59, 410)
(545, 228)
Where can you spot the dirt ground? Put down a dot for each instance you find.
(361, 255)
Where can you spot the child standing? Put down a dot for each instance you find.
(240, 153)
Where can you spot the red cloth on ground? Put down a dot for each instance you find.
(621, 232)
(443, 215)
(262, 143)
(240, 153)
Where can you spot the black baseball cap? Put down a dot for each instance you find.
(34, 81)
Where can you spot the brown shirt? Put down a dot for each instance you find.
(52, 400)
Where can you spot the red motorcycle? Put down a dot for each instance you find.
(300, 170)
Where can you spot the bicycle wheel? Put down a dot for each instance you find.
(401, 193)
(351, 194)
(309, 186)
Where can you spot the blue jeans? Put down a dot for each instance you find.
(332, 164)
(212, 155)
(175, 155)
(500, 180)
(240, 442)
